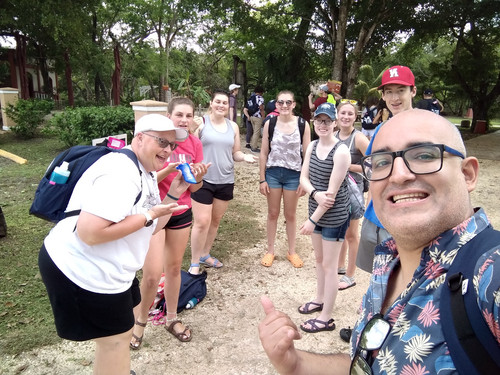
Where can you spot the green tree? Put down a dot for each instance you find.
(473, 29)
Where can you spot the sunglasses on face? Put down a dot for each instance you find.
(283, 102)
(162, 142)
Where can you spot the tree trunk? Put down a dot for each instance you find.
(21, 60)
(69, 83)
(44, 71)
(116, 76)
(339, 38)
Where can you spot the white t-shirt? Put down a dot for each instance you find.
(107, 189)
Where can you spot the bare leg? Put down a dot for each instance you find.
(175, 245)
(343, 253)
(273, 212)
(331, 250)
(326, 266)
(352, 237)
(151, 273)
(202, 215)
(290, 200)
(219, 207)
(112, 354)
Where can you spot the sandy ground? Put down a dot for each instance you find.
(225, 338)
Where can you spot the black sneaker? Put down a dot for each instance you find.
(255, 150)
(248, 145)
(345, 334)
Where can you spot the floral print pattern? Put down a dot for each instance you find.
(416, 344)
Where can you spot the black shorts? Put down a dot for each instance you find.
(181, 221)
(208, 192)
(80, 315)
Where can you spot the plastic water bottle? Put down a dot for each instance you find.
(186, 173)
(60, 174)
(192, 303)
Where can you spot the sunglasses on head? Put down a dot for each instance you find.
(350, 101)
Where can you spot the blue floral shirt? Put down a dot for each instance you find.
(416, 344)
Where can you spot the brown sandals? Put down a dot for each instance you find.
(138, 340)
(181, 336)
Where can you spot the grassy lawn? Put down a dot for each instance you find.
(26, 317)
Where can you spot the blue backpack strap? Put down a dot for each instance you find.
(132, 156)
(472, 346)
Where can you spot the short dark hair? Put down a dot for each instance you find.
(259, 89)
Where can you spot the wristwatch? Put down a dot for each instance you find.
(149, 219)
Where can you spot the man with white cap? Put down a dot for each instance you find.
(233, 103)
(88, 262)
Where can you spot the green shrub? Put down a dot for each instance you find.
(28, 115)
(80, 125)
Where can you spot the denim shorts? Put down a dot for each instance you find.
(332, 234)
(282, 178)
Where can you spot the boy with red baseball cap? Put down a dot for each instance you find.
(398, 89)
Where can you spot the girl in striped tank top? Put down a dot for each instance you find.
(323, 176)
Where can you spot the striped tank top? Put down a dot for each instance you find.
(319, 176)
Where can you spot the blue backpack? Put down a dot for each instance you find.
(473, 347)
(51, 201)
(252, 105)
(192, 286)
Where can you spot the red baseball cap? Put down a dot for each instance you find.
(399, 75)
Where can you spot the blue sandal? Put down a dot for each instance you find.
(216, 263)
(194, 265)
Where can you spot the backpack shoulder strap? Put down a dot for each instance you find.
(272, 125)
(132, 156)
(302, 128)
(473, 348)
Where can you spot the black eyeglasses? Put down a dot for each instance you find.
(163, 143)
(421, 159)
(323, 122)
(373, 336)
(283, 102)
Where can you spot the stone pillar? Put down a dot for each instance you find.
(8, 95)
(146, 107)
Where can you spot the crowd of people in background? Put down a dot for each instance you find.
(296, 158)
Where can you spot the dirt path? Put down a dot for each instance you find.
(225, 339)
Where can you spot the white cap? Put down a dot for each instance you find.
(233, 86)
(159, 123)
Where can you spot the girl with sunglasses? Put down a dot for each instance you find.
(280, 164)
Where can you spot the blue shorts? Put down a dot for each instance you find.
(282, 178)
(332, 234)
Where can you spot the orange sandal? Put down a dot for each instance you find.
(295, 260)
(267, 260)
